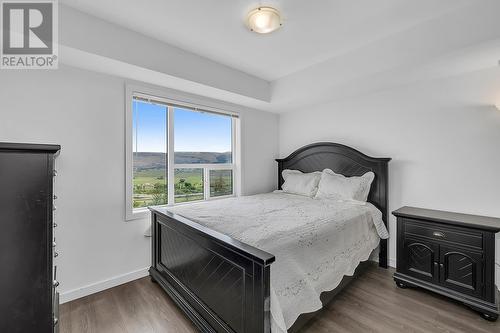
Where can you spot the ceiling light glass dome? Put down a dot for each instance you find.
(264, 20)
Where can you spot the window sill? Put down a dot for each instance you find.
(138, 214)
(141, 213)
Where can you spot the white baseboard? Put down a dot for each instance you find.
(392, 263)
(102, 285)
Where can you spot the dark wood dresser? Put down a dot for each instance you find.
(28, 297)
(449, 253)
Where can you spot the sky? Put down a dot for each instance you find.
(194, 131)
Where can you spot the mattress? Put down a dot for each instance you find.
(316, 242)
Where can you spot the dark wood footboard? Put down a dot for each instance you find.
(220, 283)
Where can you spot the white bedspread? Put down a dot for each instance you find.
(316, 242)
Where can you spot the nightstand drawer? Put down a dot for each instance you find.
(456, 235)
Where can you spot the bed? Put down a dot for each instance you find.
(215, 258)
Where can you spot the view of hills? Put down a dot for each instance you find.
(145, 160)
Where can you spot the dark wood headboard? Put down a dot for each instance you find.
(348, 162)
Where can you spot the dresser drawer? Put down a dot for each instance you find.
(461, 236)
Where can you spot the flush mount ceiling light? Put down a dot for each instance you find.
(264, 20)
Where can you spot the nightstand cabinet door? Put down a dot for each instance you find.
(420, 259)
(461, 270)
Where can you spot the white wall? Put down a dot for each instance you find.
(84, 112)
(443, 137)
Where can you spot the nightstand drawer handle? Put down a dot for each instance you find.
(438, 234)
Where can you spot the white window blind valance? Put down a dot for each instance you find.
(189, 106)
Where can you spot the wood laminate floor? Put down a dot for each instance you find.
(371, 303)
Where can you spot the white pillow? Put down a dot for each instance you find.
(300, 183)
(335, 186)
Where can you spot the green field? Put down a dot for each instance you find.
(150, 185)
(148, 176)
(150, 188)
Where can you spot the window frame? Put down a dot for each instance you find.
(196, 104)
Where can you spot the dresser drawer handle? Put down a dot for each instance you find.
(438, 234)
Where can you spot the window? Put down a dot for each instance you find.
(149, 130)
(177, 153)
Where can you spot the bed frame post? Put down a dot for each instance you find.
(384, 208)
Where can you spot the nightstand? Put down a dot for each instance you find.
(449, 253)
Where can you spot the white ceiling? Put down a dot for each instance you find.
(313, 31)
